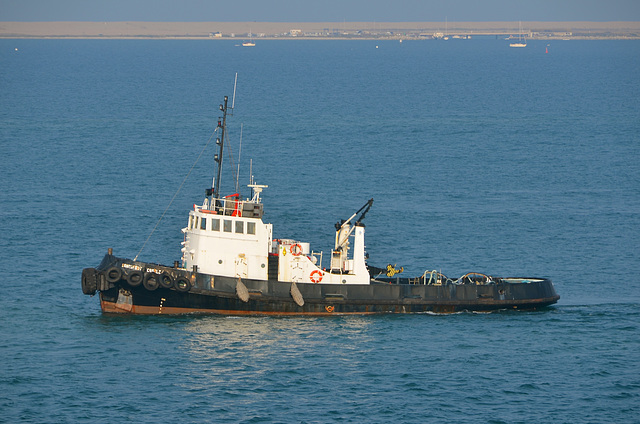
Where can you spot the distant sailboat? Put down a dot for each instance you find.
(249, 43)
(522, 41)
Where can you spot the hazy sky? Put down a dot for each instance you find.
(319, 10)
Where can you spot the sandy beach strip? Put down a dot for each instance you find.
(199, 30)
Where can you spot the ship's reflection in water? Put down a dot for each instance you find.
(264, 353)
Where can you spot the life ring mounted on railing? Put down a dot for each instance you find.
(316, 276)
(296, 249)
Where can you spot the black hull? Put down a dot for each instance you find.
(222, 295)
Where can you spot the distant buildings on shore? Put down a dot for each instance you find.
(321, 30)
(417, 34)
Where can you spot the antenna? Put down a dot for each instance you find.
(238, 171)
(233, 101)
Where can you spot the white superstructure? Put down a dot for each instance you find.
(227, 237)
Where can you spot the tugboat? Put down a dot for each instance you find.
(232, 265)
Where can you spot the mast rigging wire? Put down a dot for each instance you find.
(176, 194)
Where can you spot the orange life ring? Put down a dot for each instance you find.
(296, 249)
(316, 276)
(329, 308)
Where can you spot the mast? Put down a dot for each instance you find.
(215, 190)
(220, 142)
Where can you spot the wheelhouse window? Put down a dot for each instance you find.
(251, 227)
(215, 224)
(240, 227)
(203, 223)
(227, 226)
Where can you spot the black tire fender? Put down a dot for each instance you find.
(150, 281)
(135, 278)
(114, 274)
(89, 281)
(182, 284)
(166, 281)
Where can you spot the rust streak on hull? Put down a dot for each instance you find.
(111, 308)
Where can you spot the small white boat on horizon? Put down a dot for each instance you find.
(522, 41)
(249, 43)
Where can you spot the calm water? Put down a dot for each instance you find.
(480, 158)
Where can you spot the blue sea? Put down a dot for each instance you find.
(480, 157)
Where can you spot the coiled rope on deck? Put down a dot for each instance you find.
(177, 192)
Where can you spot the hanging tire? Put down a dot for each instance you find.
(89, 281)
(166, 281)
(135, 278)
(182, 284)
(114, 274)
(150, 281)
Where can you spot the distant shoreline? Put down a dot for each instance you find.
(316, 30)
